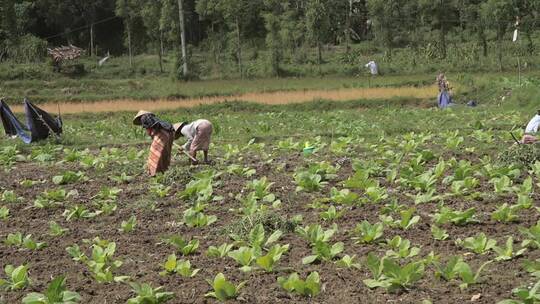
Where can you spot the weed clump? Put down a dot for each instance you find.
(270, 221)
(523, 156)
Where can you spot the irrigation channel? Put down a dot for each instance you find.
(271, 98)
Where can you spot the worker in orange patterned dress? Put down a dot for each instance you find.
(162, 134)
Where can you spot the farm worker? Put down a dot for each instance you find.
(198, 134)
(373, 68)
(530, 129)
(444, 99)
(162, 134)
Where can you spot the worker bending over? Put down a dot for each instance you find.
(531, 129)
(162, 134)
(198, 134)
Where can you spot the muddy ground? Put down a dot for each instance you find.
(143, 253)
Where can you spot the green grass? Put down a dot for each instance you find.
(117, 80)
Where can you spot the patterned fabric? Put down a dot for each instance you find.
(201, 141)
(151, 121)
(160, 152)
(442, 83)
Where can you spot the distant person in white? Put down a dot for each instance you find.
(532, 128)
(373, 68)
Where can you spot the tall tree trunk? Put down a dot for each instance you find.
(183, 38)
(160, 51)
(530, 43)
(319, 52)
(129, 45)
(92, 40)
(442, 30)
(239, 48)
(348, 25)
(442, 40)
(483, 41)
(499, 50)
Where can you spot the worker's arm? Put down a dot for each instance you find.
(187, 145)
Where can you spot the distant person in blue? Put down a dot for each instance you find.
(444, 99)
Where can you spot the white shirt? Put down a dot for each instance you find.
(372, 65)
(532, 126)
(190, 130)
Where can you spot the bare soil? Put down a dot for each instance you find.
(143, 253)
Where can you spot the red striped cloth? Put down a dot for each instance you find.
(160, 152)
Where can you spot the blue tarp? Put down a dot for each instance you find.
(39, 124)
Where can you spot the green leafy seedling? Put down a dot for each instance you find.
(479, 244)
(181, 245)
(348, 262)
(368, 233)
(507, 253)
(525, 295)
(243, 256)
(311, 287)
(56, 293)
(17, 277)
(224, 290)
(182, 267)
(56, 230)
(146, 294)
(268, 261)
(4, 213)
(438, 233)
(129, 225)
(219, 252)
(467, 275)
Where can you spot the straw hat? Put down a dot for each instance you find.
(137, 118)
(177, 129)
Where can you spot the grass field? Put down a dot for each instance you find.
(399, 202)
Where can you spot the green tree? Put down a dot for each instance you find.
(498, 15)
(317, 24)
(240, 16)
(8, 26)
(272, 22)
(385, 16)
(442, 16)
(128, 10)
(151, 15)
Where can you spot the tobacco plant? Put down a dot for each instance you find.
(181, 245)
(507, 253)
(16, 277)
(56, 293)
(311, 287)
(56, 230)
(147, 294)
(479, 244)
(129, 225)
(182, 267)
(219, 252)
(224, 290)
(532, 236)
(368, 233)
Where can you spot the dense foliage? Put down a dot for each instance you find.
(227, 27)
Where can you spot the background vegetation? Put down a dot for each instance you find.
(260, 38)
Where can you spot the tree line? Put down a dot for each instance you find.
(280, 27)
